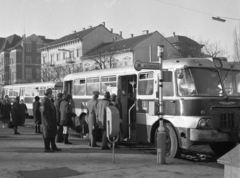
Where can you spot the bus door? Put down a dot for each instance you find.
(126, 100)
(68, 87)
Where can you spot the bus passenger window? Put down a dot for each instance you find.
(145, 84)
(168, 87)
(79, 87)
(92, 85)
(109, 84)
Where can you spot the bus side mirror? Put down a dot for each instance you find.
(113, 121)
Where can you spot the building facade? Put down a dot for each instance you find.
(126, 51)
(64, 55)
(20, 60)
(186, 46)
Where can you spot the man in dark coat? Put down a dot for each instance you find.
(66, 115)
(59, 138)
(6, 109)
(49, 122)
(91, 119)
(37, 114)
(16, 115)
(24, 111)
(101, 118)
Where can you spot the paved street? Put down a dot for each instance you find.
(25, 153)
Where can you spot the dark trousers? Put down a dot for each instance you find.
(15, 128)
(92, 135)
(48, 141)
(104, 138)
(60, 133)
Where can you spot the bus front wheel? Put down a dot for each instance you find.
(222, 148)
(172, 147)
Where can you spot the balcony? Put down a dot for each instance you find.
(70, 60)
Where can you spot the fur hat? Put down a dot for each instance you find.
(48, 91)
(107, 95)
(96, 93)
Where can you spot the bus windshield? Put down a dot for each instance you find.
(199, 82)
(231, 82)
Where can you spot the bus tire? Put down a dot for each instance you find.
(172, 147)
(221, 148)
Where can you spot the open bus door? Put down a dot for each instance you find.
(126, 100)
(68, 87)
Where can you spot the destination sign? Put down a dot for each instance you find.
(138, 65)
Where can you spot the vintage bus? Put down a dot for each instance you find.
(28, 91)
(201, 101)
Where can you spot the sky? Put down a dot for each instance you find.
(57, 18)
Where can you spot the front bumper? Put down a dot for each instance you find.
(208, 136)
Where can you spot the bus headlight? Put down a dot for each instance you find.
(205, 123)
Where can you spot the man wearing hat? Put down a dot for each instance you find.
(49, 122)
(101, 118)
(91, 118)
(59, 138)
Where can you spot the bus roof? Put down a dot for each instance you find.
(167, 64)
(52, 84)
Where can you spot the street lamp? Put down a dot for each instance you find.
(218, 19)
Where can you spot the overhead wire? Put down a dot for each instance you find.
(206, 13)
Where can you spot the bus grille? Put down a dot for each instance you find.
(227, 121)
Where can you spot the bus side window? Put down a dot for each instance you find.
(93, 84)
(168, 84)
(79, 87)
(145, 84)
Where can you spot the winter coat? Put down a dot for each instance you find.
(101, 113)
(16, 114)
(57, 107)
(23, 110)
(36, 112)
(48, 116)
(91, 113)
(66, 113)
(6, 110)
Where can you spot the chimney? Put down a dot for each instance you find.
(120, 33)
(74, 31)
(145, 31)
(103, 24)
(90, 26)
(131, 35)
(111, 30)
(83, 28)
(174, 34)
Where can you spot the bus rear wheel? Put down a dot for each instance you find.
(172, 147)
(222, 148)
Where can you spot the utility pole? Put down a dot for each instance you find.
(161, 135)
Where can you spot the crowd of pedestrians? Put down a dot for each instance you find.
(56, 117)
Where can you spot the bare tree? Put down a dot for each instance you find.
(236, 44)
(213, 49)
(103, 61)
(58, 72)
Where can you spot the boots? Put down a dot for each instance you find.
(35, 128)
(65, 136)
(38, 129)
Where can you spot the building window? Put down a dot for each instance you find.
(39, 46)
(79, 52)
(38, 74)
(28, 47)
(13, 77)
(28, 74)
(1, 78)
(28, 60)
(52, 59)
(44, 59)
(58, 57)
(6, 76)
(38, 60)
(71, 54)
(64, 55)
(11, 60)
(6, 61)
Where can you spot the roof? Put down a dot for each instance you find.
(10, 42)
(120, 45)
(182, 39)
(73, 36)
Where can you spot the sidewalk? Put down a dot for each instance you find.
(25, 153)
